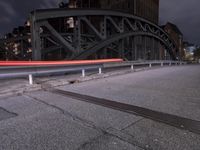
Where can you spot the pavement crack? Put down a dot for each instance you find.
(88, 124)
(90, 141)
(127, 138)
(45, 103)
(132, 124)
(68, 114)
(6, 114)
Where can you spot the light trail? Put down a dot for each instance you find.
(44, 63)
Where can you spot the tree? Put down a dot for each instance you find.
(197, 53)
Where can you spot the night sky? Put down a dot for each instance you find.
(184, 13)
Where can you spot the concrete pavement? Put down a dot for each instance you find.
(42, 120)
(172, 90)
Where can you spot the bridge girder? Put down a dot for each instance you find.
(113, 26)
(106, 42)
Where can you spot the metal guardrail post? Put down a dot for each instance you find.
(100, 71)
(132, 67)
(162, 64)
(170, 64)
(150, 65)
(30, 76)
(83, 72)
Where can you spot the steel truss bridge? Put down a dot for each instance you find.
(97, 33)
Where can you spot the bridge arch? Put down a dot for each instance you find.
(106, 42)
(112, 26)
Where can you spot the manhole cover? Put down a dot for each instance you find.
(4, 114)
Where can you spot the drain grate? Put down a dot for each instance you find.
(173, 120)
(4, 114)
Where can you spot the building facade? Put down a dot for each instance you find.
(148, 9)
(177, 36)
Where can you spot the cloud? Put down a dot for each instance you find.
(49, 4)
(185, 14)
(5, 20)
(8, 9)
(13, 13)
(7, 13)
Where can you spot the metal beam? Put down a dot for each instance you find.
(108, 41)
(92, 27)
(50, 49)
(134, 28)
(52, 41)
(55, 13)
(57, 36)
(143, 24)
(114, 24)
(35, 39)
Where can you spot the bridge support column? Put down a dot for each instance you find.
(77, 36)
(153, 49)
(121, 48)
(35, 38)
(145, 48)
(36, 41)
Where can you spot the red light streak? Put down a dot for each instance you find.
(44, 63)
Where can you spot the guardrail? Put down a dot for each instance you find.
(13, 69)
(144, 63)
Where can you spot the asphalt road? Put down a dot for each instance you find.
(44, 120)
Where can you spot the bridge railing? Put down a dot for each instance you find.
(143, 63)
(13, 69)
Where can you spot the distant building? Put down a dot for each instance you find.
(177, 36)
(17, 44)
